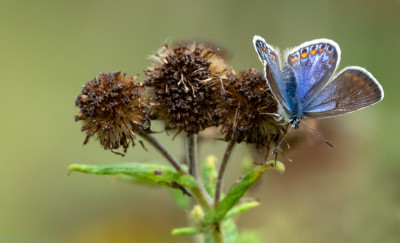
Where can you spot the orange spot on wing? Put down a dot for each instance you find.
(361, 83)
(293, 59)
(313, 52)
(355, 78)
(347, 75)
(320, 50)
(304, 55)
(273, 57)
(327, 53)
(264, 49)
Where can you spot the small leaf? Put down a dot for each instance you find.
(238, 190)
(142, 173)
(186, 231)
(279, 166)
(241, 208)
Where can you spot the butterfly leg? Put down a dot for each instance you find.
(276, 116)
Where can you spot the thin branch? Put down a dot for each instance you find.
(199, 192)
(221, 172)
(153, 141)
(191, 155)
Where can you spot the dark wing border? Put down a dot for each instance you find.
(354, 88)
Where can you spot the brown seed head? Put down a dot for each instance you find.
(248, 99)
(185, 86)
(112, 107)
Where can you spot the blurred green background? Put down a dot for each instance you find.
(49, 49)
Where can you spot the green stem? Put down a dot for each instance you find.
(217, 233)
(221, 172)
(201, 199)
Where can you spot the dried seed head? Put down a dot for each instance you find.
(112, 107)
(248, 100)
(185, 85)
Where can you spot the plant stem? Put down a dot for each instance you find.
(153, 141)
(217, 233)
(191, 148)
(221, 172)
(200, 197)
(199, 192)
(217, 230)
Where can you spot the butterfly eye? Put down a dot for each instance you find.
(330, 48)
(322, 46)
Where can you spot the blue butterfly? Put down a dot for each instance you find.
(302, 86)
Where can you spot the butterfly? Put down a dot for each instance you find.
(301, 83)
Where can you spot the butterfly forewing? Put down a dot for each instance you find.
(270, 59)
(314, 62)
(353, 89)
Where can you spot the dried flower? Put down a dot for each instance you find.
(112, 107)
(185, 86)
(247, 110)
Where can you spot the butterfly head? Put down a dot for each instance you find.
(294, 122)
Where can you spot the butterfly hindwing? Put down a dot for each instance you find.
(354, 88)
(313, 62)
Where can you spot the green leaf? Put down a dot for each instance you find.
(209, 170)
(142, 173)
(238, 190)
(241, 208)
(230, 232)
(186, 231)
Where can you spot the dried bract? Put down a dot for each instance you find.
(248, 110)
(185, 86)
(113, 107)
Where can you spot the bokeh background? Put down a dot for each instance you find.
(49, 49)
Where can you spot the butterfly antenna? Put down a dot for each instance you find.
(319, 135)
(280, 142)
